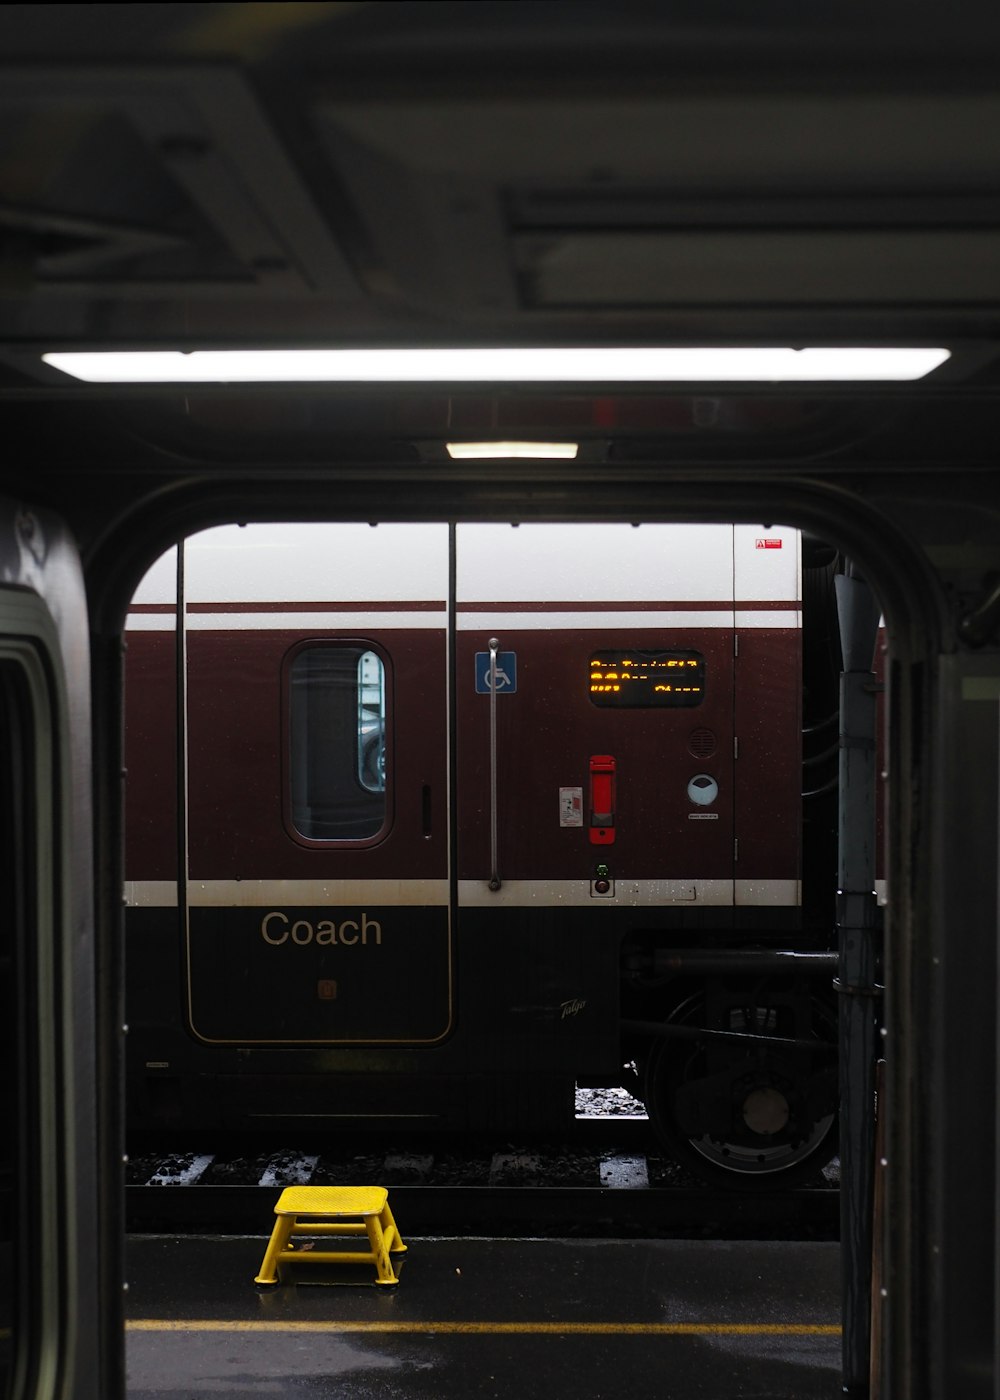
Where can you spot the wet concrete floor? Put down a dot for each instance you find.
(524, 1319)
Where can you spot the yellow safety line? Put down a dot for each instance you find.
(576, 1329)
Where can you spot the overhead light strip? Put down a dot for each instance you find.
(568, 365)
(478, 450)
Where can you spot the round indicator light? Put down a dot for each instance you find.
(702, 790)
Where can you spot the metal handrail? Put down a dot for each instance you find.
(494, 646)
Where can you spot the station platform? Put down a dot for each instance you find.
(517, 1319)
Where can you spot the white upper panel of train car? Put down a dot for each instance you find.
(767, 564)
(303, 563)
(318, 562)
(623, 566)
(663, 570)
(582, 563)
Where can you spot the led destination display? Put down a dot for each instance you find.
(626, 678)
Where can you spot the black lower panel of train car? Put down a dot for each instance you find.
(301, 976)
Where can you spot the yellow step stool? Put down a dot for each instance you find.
(318, 1211)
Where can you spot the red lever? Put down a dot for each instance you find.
(602, 800)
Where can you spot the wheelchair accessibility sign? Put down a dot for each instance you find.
(506, 672)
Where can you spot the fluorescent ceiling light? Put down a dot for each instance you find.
(569, 365)
(460, 450)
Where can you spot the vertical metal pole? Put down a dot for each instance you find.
(494, 646)
(857, 918)
(180, 638)
(878, 1221)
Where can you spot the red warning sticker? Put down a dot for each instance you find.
(769, 544)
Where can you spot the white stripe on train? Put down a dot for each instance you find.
(256, 894)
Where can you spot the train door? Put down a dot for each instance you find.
(51, 1340)
(613, 692)
(315, 851)
(595, 673)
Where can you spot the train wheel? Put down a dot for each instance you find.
(756, 1119)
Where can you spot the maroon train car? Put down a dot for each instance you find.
(428, 824)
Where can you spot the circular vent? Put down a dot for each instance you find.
(701, 743)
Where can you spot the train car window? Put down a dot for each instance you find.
(371, 722)
(627, 678)
(337, 742)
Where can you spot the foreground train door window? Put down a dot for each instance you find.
(15, 1091)
(30, 1261)
(337, 743)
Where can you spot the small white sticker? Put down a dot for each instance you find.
(571, 806)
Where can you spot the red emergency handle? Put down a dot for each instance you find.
(602, 800)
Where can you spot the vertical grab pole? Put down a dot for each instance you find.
(494, 646)
(858, 980)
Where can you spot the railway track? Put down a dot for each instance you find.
(564, 1212)
(612, 1183)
